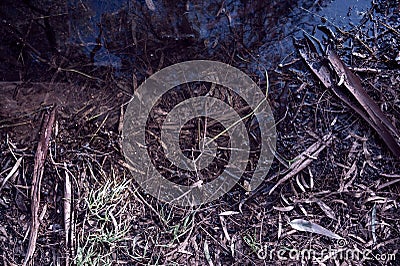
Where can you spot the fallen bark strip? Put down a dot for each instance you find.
(304, 159)
(353, 84)
(366, 107)
(67, 212)
(38, 170)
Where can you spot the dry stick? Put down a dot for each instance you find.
(40, 159)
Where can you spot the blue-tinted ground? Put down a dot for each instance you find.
(130, 38)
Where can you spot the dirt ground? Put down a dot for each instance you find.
(68, 70)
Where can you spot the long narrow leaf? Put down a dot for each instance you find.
(307, 226)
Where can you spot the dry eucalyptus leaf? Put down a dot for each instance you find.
(307, 226)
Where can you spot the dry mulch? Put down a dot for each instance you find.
(331, 167)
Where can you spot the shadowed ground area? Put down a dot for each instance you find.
(68, 70)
